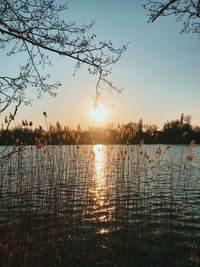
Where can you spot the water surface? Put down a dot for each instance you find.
(101, 202)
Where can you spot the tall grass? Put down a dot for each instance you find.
(100, 206)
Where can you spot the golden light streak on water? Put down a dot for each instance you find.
(100, 166)
(101, 210)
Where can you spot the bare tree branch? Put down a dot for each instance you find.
(161, 11)
(36, 29)
(185, 11)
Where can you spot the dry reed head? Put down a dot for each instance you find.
(141, 142)
(159, 151)
(45, 114)
(190, 157)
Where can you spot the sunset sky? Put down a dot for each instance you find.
(160, 71)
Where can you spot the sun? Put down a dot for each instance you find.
(98, 113)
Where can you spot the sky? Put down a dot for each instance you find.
(159, 72)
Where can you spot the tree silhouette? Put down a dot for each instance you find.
(35, 29)
(186, 11)
(178, 131)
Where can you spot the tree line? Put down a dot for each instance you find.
(179, 131)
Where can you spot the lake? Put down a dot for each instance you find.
(101, 205)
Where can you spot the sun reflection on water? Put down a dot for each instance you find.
(101, 209)
(99, 152)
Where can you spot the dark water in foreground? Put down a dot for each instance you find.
(100, 206)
